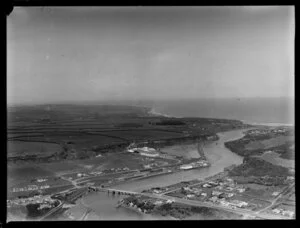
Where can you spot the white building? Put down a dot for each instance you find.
(230, 195)
(170, 201)
(275, 193)
(158, 202)
(216, 193)
(190, 196)
(240, 190)
(206, 185)
(149, 154)
(238, 203)
(186, 167)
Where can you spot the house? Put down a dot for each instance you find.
(158, 202)
(203, 194)
(224, 203)
(276, 211)
(288, 213)
(229, 188)
(187, 189)
(290, 178)
(41, 180)
(238, 203)
(240, 190)
(229, 179)
(213, 183)
(190, 196)
(275, 193)
(206, 186)
(156, 191)
(214, 199)
(230, 195)
(170, 201)
(216, 193)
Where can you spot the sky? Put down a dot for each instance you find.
(57, 54)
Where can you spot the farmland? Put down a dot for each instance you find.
(279, 140)
(68, 132)
(21, 148)
(58, 144)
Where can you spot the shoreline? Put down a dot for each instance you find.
(152, 111)
(272, 124)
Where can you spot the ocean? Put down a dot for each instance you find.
(271, 111)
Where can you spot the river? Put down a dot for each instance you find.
(103, 205)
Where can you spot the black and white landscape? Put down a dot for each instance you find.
(150, 113)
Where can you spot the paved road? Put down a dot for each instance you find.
(276, 199)
(53, 210)
(244, 212)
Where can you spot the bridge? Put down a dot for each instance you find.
(117, 191)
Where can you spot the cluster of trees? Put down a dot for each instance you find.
(257, 167)
(170, 122)
(140, 204)
(125, 125)
(285, 150)
(177, 211)
(33, 210)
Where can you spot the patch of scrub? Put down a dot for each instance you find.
(275, 159)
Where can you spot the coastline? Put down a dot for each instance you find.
(269, 124)
(152, 111)
(155, 113)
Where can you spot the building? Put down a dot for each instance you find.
(238, 203)
(214, 199)
(186, 167)
(240, 190)
(213, 183)
(158, 202)
(207, 186)
(275, 193)
(190, 196)
(147, 166)
(230, 195)
(289, 213)
(216, 193)
(276, 211)
(148, 153)
(41, 180)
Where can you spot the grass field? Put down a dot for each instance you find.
(188, 151)
(17, 148)
(79, 140)
(114, 160)
(23, 173)
(144, 134)
(261, 191)
(268, 143)
(275, 159)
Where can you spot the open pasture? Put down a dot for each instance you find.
(275, 159)
(22, 173)
(79, 140)
(19, 148)
(268, 143)
(136, 135)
